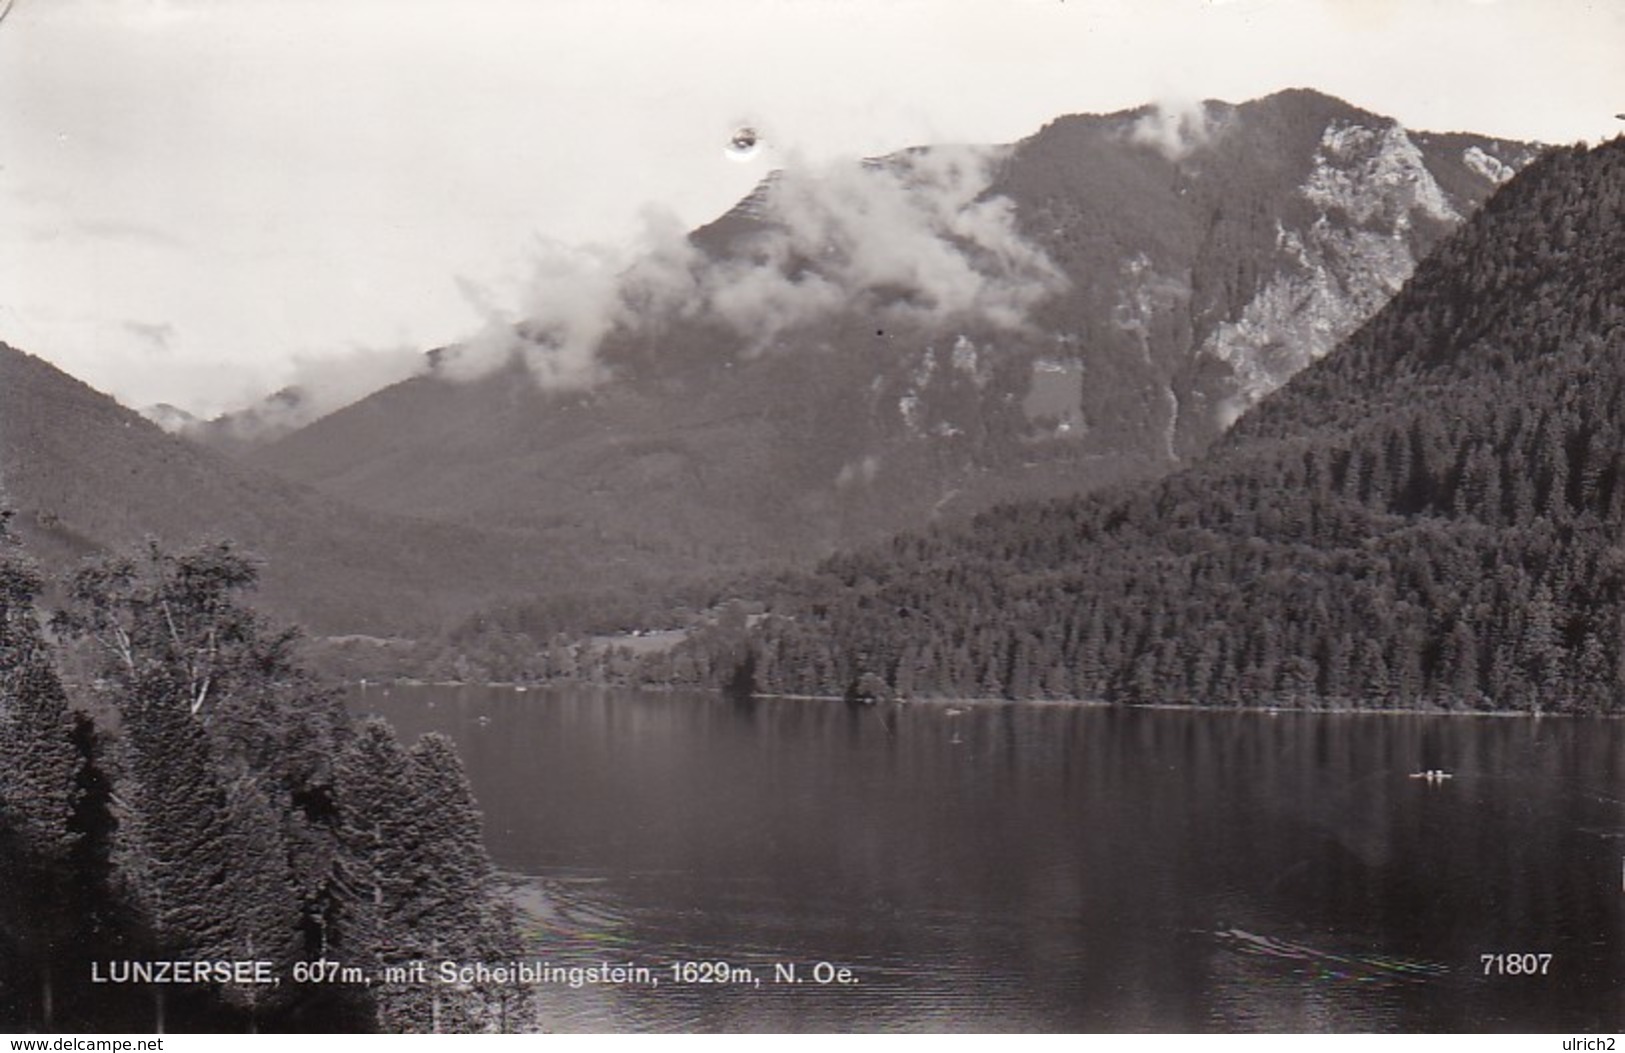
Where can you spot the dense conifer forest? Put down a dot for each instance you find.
(1429, 518)
(173, 787)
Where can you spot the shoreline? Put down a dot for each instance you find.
(1082, 703)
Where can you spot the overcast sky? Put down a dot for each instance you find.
(199, 199)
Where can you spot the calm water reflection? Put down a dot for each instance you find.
(1052, 867)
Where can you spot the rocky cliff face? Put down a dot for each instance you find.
(1371, 190)
(1229, 257)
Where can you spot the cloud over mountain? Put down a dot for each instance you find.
(912, 240)
(1175, 128)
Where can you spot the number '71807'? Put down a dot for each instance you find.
(1516, 964)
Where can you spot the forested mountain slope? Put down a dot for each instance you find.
(87, 475)
(1430, 516)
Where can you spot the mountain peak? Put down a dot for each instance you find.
(1202, 257)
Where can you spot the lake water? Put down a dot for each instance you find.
(1050, 867)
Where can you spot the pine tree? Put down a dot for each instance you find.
(172, 844)
(425, 886)
(379, 842)
(40, 772)
(39, 765)
(454, 906)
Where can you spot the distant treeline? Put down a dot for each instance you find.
(201, 798)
